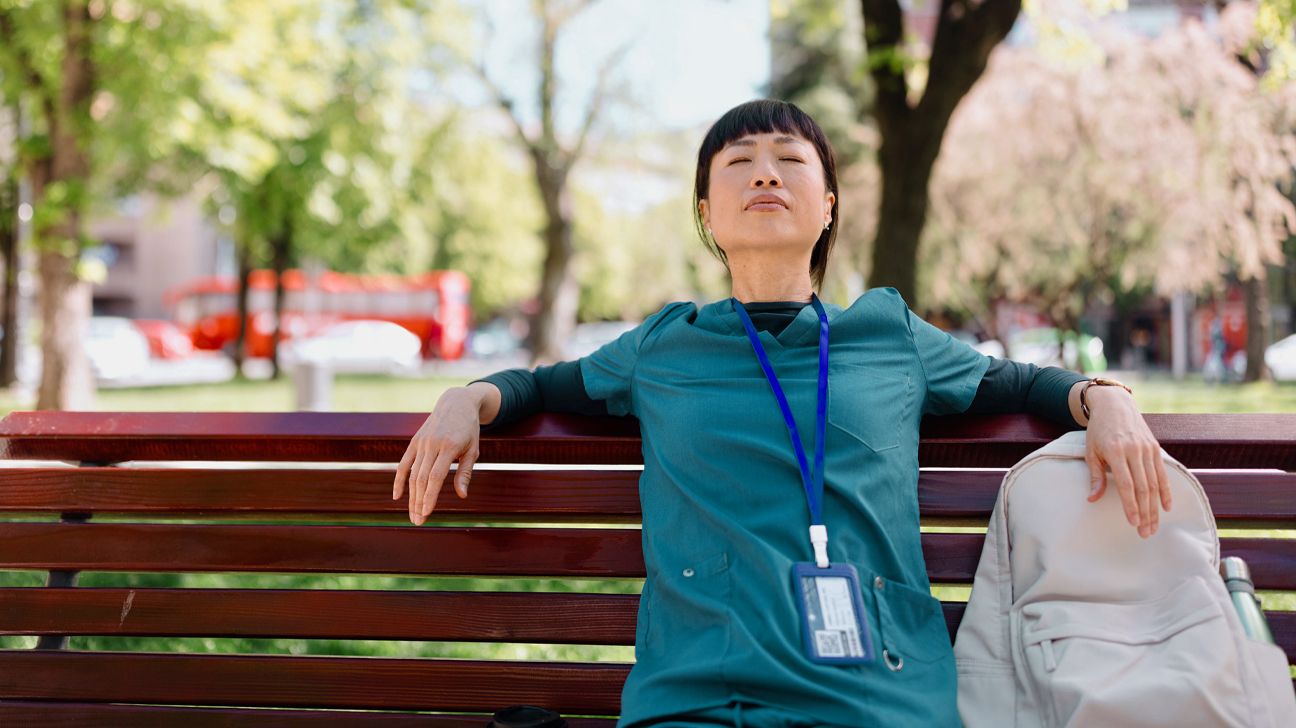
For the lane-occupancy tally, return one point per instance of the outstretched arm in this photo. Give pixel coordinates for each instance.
(524, 392)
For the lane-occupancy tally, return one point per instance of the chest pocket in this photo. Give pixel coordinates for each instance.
(869, 405)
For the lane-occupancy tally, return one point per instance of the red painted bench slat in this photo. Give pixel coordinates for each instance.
(558, 618)
(557, 552)
(1199, 441)
(554, 618)
(100, 715)
(309, 682)
(609, 495)
(520, 552)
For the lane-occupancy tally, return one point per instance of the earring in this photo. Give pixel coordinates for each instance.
(827, 224)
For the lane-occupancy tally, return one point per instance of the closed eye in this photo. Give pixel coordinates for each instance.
(793, 159)
(739, 159)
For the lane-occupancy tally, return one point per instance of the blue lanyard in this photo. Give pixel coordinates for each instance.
(814, 486)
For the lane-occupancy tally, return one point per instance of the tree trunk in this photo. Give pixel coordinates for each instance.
(559, 293)
(966, 33)
(244, 254)
(9, 256)
(1257, 313)
(66, 380)
(280, 250)
(1289, 286)
(559, 290)
(906, 168)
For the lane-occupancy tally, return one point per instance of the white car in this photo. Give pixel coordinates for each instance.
(1280, 357)
(358, 347)
(587, 338)
(116, 348)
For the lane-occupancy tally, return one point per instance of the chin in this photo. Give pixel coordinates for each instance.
(772, 236)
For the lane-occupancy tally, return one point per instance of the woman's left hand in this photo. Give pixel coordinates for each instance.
(1121, 447)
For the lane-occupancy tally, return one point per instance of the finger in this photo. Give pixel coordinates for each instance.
(402, 472)
(1125, 487)
(1163, 479)
(436, 479)
(1142, 490)
(464, 474)
(1097, 476)
(418, 482)
(1153, 491)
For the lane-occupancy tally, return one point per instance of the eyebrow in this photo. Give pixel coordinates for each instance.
(752, 143)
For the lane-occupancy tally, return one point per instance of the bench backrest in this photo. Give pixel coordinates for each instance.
(289, 501)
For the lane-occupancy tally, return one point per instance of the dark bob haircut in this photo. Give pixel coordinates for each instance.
(766, 116)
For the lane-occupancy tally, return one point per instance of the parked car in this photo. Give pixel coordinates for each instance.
(496, 337)
(1039, 346)
(587, 338)
(116, 348)
(1280, 357)
(989, 347)
(359, 346)
(165, 339)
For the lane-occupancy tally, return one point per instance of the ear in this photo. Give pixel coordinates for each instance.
(830, 199)
(705, 211)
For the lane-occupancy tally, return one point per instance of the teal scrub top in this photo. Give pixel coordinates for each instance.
(725, 514)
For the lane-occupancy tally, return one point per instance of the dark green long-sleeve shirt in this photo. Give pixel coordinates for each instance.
(1008, 386)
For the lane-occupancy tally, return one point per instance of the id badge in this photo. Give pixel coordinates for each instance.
(833, 625)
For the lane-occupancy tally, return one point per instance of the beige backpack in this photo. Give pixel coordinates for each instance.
(1076, 621)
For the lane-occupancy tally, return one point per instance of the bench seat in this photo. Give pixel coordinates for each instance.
(554, 497)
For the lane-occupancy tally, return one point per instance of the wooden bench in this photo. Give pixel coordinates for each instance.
(262, 514)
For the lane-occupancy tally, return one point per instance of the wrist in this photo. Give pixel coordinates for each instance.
(1104, 392)
(486, 397)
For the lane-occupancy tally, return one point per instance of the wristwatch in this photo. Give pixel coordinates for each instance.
(1100, 382)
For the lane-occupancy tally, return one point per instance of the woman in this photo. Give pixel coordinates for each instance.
(724, 490)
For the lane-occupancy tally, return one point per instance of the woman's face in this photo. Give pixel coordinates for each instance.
(766, 191)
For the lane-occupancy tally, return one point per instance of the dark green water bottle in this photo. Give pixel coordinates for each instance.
(1237, 579)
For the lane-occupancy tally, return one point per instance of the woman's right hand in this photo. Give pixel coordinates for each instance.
(451, 433)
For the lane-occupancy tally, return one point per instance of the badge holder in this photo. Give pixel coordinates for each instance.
(832, 614)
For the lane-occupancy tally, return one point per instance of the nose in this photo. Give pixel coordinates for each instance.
(764, 176)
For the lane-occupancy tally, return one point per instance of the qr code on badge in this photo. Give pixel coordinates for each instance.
(829, 643)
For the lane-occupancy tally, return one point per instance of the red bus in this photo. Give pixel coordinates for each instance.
(433, 305)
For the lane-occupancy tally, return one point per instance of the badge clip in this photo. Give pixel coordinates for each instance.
(819, 540)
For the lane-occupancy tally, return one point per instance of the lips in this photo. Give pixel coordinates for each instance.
(766, 202)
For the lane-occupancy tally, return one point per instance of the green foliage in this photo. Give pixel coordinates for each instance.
(822, 66)
(1275, 25)
(307, 118)
(479, 214)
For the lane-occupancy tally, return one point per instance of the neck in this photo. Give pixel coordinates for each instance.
(770, 278)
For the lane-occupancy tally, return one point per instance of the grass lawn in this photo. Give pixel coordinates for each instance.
(1156, 393)
(350, 394)
(1162, 394)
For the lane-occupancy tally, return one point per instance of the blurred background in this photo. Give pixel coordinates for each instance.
(354, 204)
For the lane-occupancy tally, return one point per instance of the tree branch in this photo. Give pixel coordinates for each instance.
(966, 33)
(560, 17)
(504, 102)
(597, 102)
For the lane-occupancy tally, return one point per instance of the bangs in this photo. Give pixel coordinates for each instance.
(764, 116)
